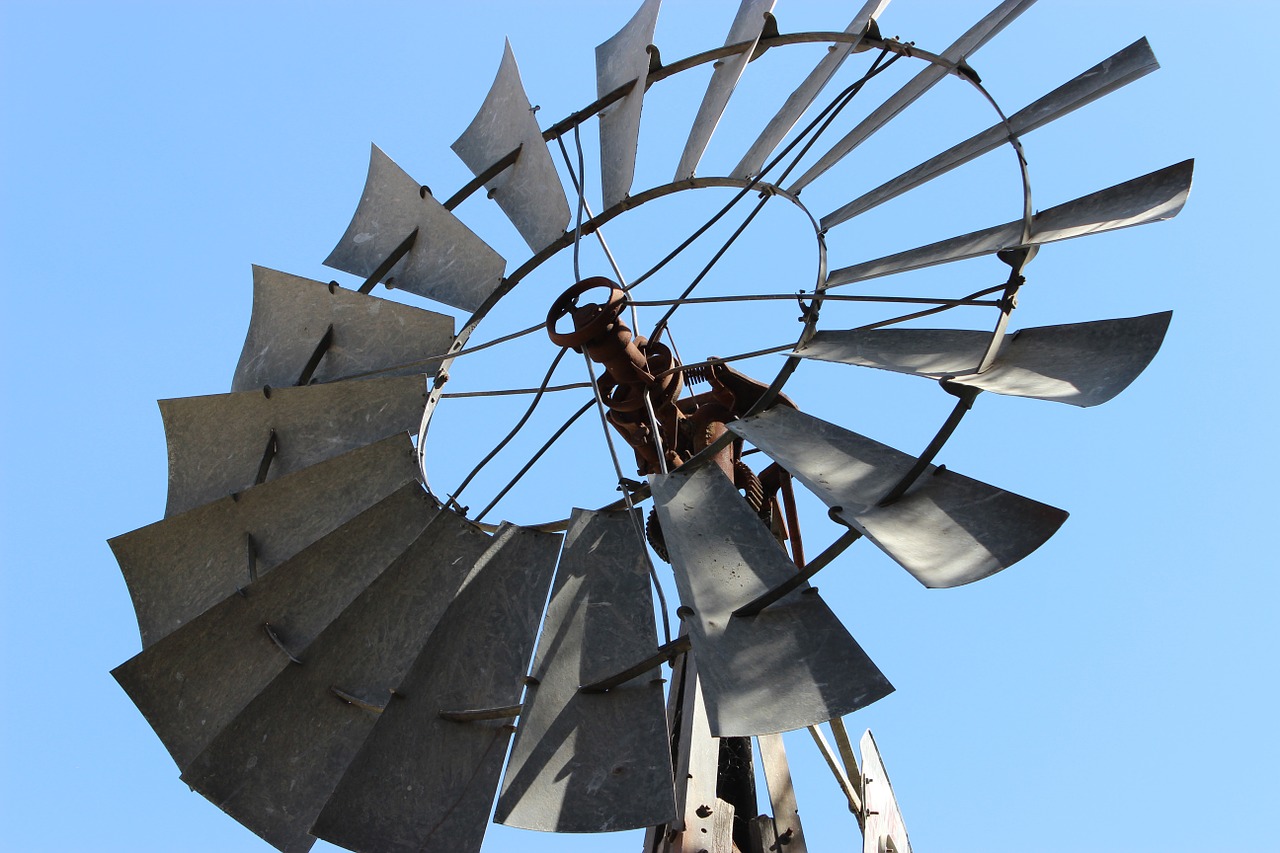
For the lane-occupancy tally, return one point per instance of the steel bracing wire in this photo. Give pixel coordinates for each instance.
(579, 182)
(536, 456)
(555, 362)
(813, 131)
(571, 122)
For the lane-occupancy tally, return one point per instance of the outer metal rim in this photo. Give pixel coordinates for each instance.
(632, 201)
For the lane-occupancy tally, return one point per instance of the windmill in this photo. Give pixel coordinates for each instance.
(336, 645)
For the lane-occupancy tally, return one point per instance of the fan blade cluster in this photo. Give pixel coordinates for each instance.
(329, 653)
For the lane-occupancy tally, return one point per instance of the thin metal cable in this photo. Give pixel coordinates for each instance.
(864, 328)
(512, 434)
(827, 116)
(536, 456)
(599, 232)
(422, 362)
(845, 94)
(511, 392)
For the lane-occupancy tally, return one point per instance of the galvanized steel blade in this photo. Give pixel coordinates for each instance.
(790, 666)
(196, 680)
(974, 38)
(178, 568)
(215, 442)
(947, 530)
(800, 100)
(529, 192)
(275, 765)
(882, 817)
(619, 61)
(423, 783)
(447, 263)
(291, 314)
(1084, 364)
(1153, 197)
(593, 762)
(1132, 63)
(747, 26)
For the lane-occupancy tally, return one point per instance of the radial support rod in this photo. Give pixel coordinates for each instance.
(833, 764)
(835, 549)
(665, 653)
(966, 395)
(385, 267)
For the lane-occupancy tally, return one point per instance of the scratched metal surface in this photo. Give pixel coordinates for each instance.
(529, 191)
(179, 567)
(790, 666)
(448, 262)
(1083, 364)
(593, 762)
(196, 680)
(422, 783)
(291, 314)
(216, 443)
(946, 530)
(274, 766)
(882, 817)
(620, 60)
(747, 26)
(1153, 197)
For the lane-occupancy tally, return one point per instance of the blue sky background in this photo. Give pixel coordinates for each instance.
(1116, 689)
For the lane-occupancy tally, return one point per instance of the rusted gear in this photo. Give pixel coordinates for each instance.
(746, 480)
(653, 532)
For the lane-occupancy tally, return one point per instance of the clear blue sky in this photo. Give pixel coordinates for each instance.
(1116, 689)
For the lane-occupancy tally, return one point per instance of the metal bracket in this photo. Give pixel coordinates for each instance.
(810, 569)
(665, 653)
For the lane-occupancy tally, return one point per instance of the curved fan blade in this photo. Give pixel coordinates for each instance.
(619, 61)
(424, 783)
(193, 682)
(799, 100)
(529, 192)
(947, 530)
(1154, 197)
(883, 822)
(291, 315)
(963, 47)
(747, 25)
(178, 568)
(274, 766)
(724, 557)
(1132, 63)
(219, 444)
(447, 261)
(593, 762)
(1084, 364)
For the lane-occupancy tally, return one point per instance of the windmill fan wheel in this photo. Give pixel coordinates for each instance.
(339, 643)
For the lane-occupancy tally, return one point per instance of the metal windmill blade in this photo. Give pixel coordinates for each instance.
(599, 761)
(305, 331)
(1084, 364)
(178, 568)
(401, 234)
(336, 646)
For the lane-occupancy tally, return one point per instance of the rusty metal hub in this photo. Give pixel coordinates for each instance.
(641, 388)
